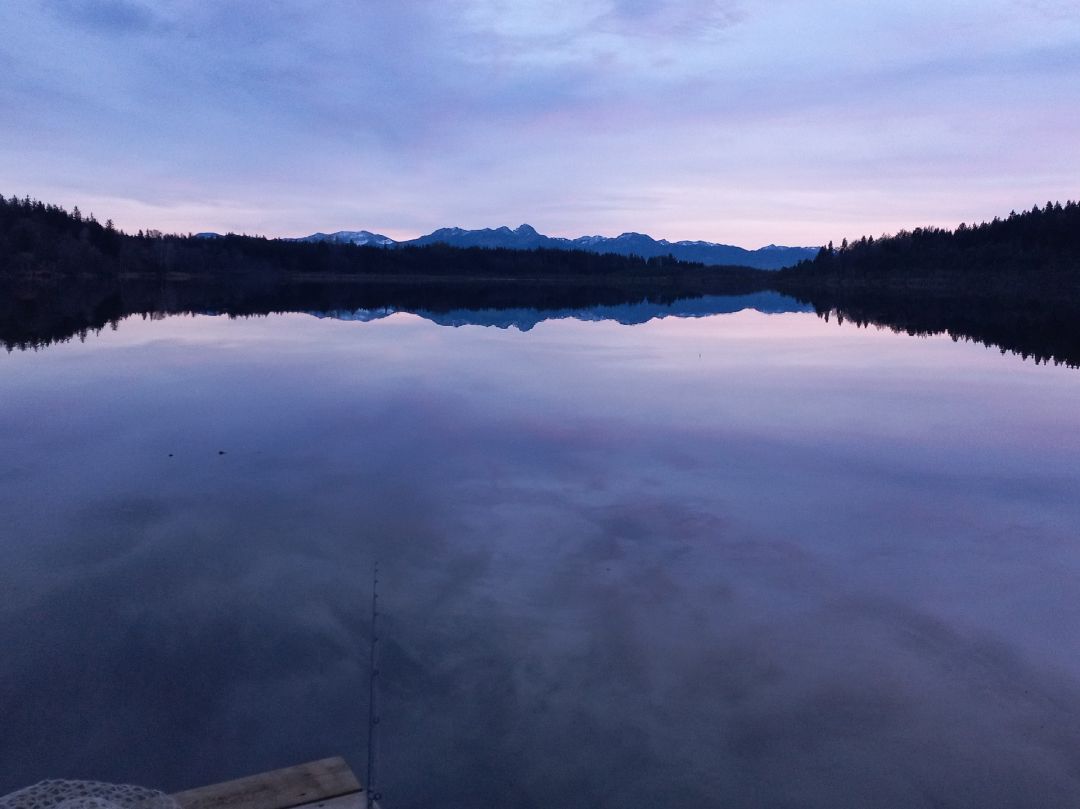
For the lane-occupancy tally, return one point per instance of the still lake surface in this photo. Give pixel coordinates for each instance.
(739, 559)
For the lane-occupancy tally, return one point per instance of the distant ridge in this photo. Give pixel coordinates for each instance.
(361, 237)
(525, 237)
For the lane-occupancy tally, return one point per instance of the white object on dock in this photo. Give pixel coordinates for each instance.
(62, 794)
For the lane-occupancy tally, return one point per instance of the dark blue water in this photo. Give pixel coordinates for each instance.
(735, 560)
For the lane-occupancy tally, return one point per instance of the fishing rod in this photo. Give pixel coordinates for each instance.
(373, 673)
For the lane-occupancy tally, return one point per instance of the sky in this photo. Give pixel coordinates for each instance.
(748, 123)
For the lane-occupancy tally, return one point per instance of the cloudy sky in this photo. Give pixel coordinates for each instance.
(746, 122)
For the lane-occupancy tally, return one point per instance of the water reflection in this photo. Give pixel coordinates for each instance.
(735, 560)
(34, 315)
(1046, 330)
(629, 314)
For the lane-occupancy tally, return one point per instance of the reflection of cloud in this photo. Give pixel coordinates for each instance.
(593, 597)
(109, 16)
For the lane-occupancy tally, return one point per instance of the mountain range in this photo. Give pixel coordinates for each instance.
(525, 237)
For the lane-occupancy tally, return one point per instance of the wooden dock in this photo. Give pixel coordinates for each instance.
(325, 784)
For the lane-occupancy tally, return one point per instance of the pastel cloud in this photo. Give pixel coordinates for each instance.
(744, 122)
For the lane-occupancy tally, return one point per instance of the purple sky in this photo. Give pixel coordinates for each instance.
(785, 121)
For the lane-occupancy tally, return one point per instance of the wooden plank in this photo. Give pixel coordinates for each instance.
(354, 800)
(281, 789)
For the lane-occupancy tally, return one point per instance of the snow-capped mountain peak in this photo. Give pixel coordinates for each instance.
(358, 237)
(526, 237)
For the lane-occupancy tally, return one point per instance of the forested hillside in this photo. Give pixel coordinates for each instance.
(45, 240)
(1033, 254)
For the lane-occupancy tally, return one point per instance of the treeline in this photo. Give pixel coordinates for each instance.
(38, 239)
(1035, 254)
(1013, 282)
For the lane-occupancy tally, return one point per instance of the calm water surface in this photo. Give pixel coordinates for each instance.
(741, 560)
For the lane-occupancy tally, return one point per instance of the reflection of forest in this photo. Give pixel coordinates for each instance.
(1034, 329)
(36, 314)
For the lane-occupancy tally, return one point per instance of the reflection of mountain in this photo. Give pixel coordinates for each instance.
(525, 318)
(37, 313)
(34, 314)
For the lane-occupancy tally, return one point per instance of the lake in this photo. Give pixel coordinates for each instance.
(707, 556)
